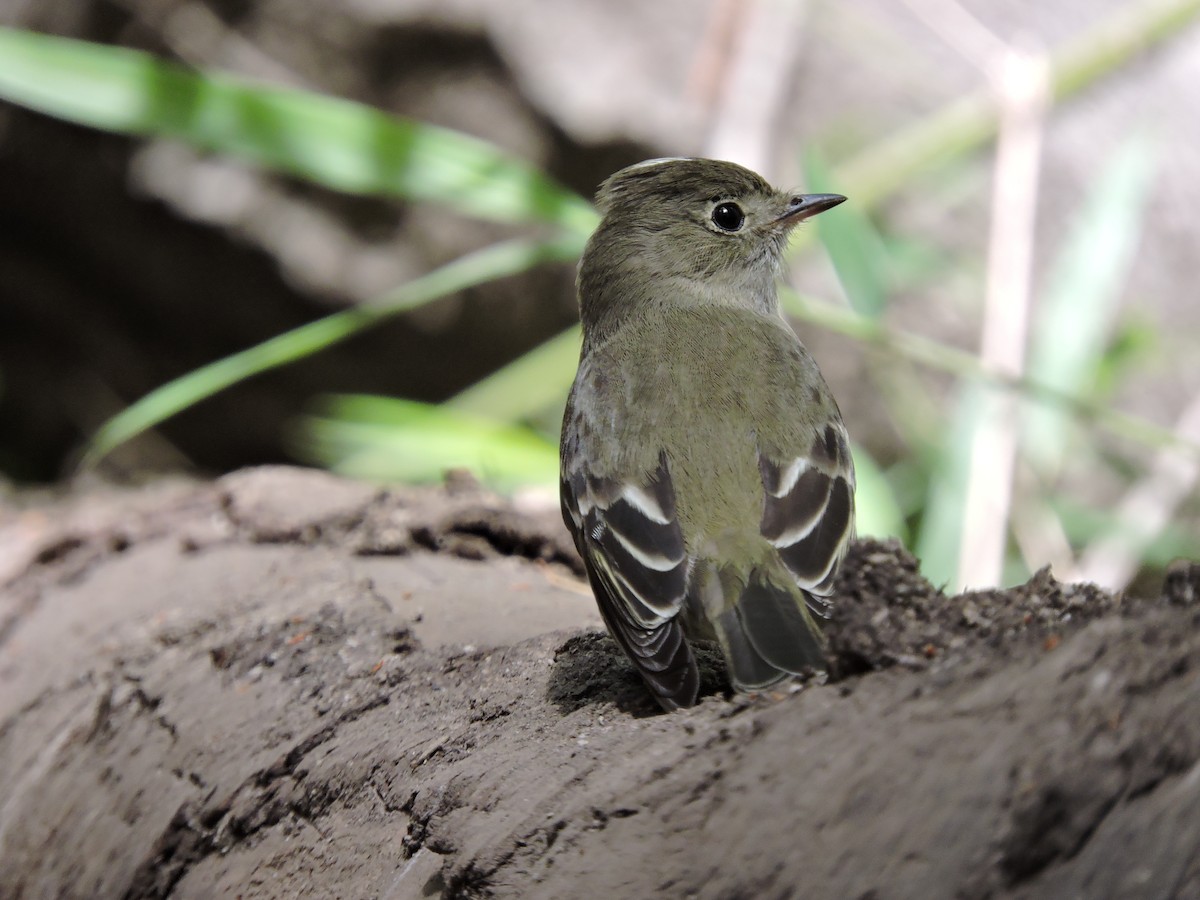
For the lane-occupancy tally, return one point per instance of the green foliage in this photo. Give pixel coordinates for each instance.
(1077, 311)
(877, 512)
(528, 386)
(387, 439)
(946, 475)
(336, 143)
(507, 258)
(504, 426)
(857, 251)
(1070, 331)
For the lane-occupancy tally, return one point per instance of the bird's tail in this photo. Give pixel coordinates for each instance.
(767, 633)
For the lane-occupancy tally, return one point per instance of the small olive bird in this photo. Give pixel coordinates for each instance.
(706, 473)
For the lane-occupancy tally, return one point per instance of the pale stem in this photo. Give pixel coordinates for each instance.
(764, 49)
(1021, 82)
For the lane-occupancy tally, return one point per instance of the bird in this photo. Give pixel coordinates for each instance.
(706, 476)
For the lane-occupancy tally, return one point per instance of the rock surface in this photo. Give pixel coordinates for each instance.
(282, 684)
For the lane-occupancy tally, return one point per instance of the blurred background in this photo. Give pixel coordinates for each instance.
(1005, 309)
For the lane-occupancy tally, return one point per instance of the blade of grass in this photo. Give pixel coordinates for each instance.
(876, 510)
(388, 439)
(853, 245)
(964, 365)
(337, 143)
(1076, 313)
(940, 538)
(528, 385)
(496, 261)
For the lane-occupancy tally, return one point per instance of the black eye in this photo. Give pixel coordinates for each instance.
(728, 216)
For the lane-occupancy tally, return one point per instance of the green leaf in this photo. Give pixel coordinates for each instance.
(527, 386)
(493, 262)
(337, 143)
(387, 439)
(342, 145)
(1075, 318)
(940, 538)
(1136, 342)
(876, 510)
(857, 252)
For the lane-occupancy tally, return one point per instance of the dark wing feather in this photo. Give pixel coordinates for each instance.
(808, 512)
(637, 564)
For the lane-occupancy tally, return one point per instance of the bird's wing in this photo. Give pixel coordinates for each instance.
(632, 545)
(808, 512)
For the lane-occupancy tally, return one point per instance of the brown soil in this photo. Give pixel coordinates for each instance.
(286, 685)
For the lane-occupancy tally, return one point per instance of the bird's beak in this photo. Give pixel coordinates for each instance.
(803, 206)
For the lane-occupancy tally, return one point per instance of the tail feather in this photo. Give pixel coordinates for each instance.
(747, 669)
(767, 635)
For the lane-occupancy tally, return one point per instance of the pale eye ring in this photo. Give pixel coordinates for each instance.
(728, 216)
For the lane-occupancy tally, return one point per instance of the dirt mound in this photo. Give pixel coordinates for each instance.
(286, 685)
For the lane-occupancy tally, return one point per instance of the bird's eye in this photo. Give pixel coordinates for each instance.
(728, 216)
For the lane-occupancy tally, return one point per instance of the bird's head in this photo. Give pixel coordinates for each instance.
(691, 227)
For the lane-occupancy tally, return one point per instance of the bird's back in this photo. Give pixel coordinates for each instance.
(714, 420)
